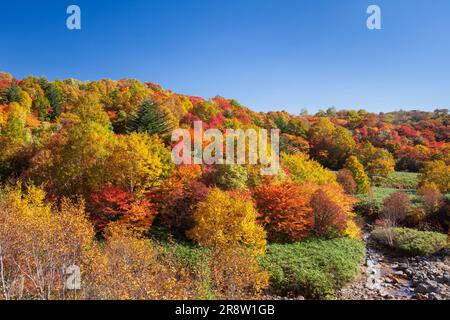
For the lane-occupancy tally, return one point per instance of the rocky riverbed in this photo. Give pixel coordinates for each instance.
(386, 275)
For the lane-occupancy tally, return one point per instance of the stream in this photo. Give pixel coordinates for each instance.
(389, 276)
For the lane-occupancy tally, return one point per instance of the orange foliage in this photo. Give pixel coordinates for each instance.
(284, 211)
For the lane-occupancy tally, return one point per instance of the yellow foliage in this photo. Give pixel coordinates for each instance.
(128, 268)
(303, 169)
(37, 243)
(227, 220)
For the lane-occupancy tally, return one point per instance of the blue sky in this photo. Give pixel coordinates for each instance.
(268, 54)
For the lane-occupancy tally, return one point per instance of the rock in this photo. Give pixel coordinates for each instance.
(422, 288)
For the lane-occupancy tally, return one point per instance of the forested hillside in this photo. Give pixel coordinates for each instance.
(87, 180)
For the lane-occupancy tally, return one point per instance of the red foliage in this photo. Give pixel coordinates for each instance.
(194, 100)
(114, 204)
(177, 198)
(329, 219)
(284, 212)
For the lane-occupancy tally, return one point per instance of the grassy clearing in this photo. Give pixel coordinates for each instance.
(400, 180)
(314, 268)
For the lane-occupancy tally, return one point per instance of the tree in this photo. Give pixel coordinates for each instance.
(114, 204)
(152, 118)
(177, 198)
(330, 144)
(227, 220)
(229, 177)
(139, 162)
(431, 197)
(357, 169)
(395, 209)
(330, 221)
(38, 241)
(285, 212)
(345, 179)
(129, 267)
(302, 169)
(437, 172)
(378, 162)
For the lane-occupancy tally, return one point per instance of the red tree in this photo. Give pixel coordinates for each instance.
(284, 211)
(329, 219)
(114, 204)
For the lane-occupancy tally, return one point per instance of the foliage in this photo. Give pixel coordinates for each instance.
(285, 211)
(330, 144)
(399, 180)
(129, 268)
(431, 197)
(152, 118)
(229, 177)
(437, 172)
(114, 204)
(302, 169)
(357, 169)
(38, 242)
(395, 208)
(345, 178)
(378, 162)
(227, 220)
(177, 198)
(412, 241)
(236, 274)
(330, 221)
(139, 162)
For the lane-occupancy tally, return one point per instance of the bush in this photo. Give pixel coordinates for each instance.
(360, 176)
(411, 241)
(314, 268)
(225, 220)
(395, 208)
(330, 221)
(437, 172)
(346, 180)
(285, 211)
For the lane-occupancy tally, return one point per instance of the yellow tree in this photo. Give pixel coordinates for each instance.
(138, 162)
(360, 176)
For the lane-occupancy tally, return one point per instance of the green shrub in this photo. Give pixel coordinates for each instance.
(314, 268)
(371, 204)
(411, 241)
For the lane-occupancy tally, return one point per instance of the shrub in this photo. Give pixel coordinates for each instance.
(128, 267)
(431, 197)
(360, 176)
(412, 241)
(346, 180)
(314, 268)
(330, 220)
(400, 180)
(229, 177)
(225, 220)
(395, 208)
(114, 204)
(38, 242)
(437, 172)
(285, 211)
(177, 198)
(236, 274)
(302, 169)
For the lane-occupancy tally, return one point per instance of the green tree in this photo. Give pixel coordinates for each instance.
(151, 118)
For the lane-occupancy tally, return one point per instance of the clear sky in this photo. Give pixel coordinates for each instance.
(267, 54)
